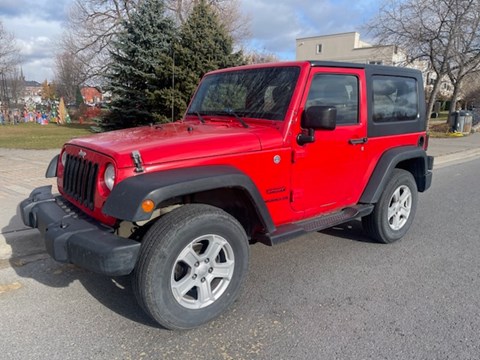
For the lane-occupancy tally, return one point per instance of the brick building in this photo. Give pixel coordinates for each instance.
(91, 95)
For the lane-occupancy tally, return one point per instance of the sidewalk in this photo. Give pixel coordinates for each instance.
(23, 170)
(20, 172)
(454, 149)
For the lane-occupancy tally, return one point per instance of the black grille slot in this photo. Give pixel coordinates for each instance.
(79, 180)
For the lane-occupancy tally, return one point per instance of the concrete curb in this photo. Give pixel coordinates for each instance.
(457, 157)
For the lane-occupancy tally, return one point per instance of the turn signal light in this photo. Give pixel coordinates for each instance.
(148, 206)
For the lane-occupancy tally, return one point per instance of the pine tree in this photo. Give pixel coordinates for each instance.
(143, 47)
(204, 45)
(78, 97)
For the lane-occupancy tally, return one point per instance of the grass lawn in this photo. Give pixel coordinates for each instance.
(52, 136)
(438, 127)
(35, 136)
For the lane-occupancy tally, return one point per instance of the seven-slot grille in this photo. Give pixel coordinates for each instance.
(79, 180)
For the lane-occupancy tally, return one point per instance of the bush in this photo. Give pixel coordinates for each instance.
(86, 114)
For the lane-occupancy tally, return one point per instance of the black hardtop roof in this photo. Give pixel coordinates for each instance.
(394, 70)
(341, 64)
(370, 69)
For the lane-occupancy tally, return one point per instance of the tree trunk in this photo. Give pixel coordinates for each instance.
(453, 103)
(432, 98)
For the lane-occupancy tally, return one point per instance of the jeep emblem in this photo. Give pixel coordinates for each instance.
(82, 154)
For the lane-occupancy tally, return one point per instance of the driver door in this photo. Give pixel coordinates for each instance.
(329, 173)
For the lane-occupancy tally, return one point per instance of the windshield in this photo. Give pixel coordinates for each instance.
(257, 93)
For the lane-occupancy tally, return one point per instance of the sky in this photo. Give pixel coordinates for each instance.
(275, 24)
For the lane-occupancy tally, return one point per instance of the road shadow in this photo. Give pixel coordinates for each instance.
(351, 230)
(30, 260)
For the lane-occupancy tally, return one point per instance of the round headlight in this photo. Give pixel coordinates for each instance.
(109, 176)
(64, 158)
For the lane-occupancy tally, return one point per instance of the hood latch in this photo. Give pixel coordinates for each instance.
(137, 161)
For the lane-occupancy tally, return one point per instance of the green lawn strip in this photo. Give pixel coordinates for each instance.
(35, 136)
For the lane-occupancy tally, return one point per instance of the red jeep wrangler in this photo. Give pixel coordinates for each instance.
(264, 153)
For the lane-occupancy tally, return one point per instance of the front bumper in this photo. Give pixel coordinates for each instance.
(73, 238)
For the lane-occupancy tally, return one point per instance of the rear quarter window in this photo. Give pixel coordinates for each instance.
(394, 99)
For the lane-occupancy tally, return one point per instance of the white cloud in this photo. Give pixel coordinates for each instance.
(37, 25)
(276, 25)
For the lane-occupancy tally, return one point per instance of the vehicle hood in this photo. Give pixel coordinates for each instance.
(180, 141)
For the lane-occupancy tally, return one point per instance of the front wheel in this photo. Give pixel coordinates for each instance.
(192, 263)
(395, 210)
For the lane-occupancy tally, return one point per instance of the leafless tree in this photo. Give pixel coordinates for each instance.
(90, 29)
(9, 60)
(15, 85)
(9, 53)
(237, 24)
(465, 58)
(471, 89)
(431, 30)
(259, 57)
(93, 24)
(70, 74)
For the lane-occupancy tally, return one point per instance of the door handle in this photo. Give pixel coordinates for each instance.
(358, 141)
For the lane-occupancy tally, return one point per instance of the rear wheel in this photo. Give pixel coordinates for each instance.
(395, 210)
(192, 263)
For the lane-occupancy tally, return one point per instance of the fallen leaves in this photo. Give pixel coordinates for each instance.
(10, 287)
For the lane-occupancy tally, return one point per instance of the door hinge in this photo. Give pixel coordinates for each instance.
(298, 154)
(296, 195)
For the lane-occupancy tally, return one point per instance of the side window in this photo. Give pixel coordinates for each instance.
(394, 98)
(339, 91)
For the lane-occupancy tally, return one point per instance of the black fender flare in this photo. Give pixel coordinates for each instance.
(52, 167)
(126, 198)
(389, 161)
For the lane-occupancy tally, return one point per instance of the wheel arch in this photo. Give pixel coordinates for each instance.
(410, 158)
(222, 186)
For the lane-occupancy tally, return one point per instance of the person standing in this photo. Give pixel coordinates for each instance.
(16, 117)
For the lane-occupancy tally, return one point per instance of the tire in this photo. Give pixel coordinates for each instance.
(395, 210)
(192, 264)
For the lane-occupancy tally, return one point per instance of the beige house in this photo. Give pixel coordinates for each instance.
(349, 48)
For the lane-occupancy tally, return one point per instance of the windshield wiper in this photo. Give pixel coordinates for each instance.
(200, 117)
(231, 112)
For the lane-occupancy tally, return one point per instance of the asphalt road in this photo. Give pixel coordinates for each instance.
(328, 295)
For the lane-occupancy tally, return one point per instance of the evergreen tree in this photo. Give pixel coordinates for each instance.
(78, 97)
(204, 45)
(143, 47)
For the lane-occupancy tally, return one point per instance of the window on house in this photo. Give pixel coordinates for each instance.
(319, 48)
